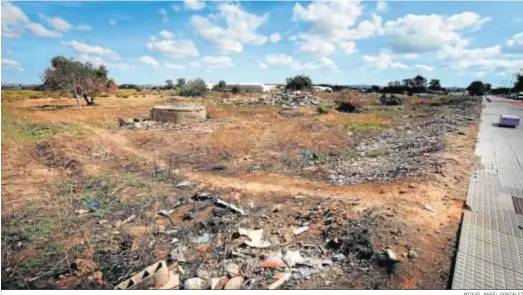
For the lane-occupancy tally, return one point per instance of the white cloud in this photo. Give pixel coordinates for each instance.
(334, 24)
(381, 6)
(89, 50)
(195, 64)
(424, 67)
(321, 63)
(176, 8)
(424, 33)
(515, 44)
(315, 44)
(166, 34)
(40, 31)
(163, 12)
(383, 61)
(13, 20)
(488, 59)
(98, 61)
(458, 51)
(240, 28)
(194, 4)
(293, 38)
(348, 47)
(214, 62)
(174, 67)
(112, 22)
(59, 23)
(149, 60)
(263, 66)
(173, 48)
(275, 37)
(278, 59)
(11, 65)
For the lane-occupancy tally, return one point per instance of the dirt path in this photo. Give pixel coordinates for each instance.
(257, 183)
(119, 142)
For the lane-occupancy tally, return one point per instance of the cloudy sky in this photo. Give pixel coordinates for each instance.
(345, 42)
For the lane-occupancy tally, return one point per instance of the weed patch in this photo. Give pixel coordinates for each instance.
(23, 131)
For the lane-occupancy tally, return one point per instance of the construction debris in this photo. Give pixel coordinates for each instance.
(257, 239)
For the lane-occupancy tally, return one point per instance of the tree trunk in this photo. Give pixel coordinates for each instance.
(87, 101)
(78, 99)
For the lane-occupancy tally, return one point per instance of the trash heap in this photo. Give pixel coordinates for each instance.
(408, 149)
(138, 123)
(243, 248)
(288, 100)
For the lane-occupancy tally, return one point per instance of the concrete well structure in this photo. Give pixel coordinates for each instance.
(179, 113)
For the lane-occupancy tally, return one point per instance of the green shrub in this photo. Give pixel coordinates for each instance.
(322, 109)
(195, 87)
(299, 82)
(391, 100)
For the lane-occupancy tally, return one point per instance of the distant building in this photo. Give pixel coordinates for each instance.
(322, 89)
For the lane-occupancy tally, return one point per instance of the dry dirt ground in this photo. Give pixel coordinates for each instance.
(69, 157)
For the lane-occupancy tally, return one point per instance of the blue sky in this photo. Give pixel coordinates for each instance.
(343, 42)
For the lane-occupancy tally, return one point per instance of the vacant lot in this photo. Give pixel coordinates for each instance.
(387, 177)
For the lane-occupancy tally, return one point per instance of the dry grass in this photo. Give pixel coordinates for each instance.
(17, 95)
(106, 110)
(357, 98)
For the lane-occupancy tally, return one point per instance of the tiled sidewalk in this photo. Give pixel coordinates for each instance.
(490, 249)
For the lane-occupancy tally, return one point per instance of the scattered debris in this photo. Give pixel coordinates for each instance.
(195, 284)
(272, 262)
(257, 239)
(291, 258)
(301, 230)
(219, 283)
(391, 255)
(280, 281)
(166, 213)
(81, 211)
(428, 208)
(222, 203)
(234, 283)
(204, 239)
(339, 257)
(185, 184)
(127, 220)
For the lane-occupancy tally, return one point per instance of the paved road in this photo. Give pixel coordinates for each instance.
(490, 249)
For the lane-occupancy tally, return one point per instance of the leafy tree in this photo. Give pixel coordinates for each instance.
(375, 88)
(420, 81)
(170, 84)
(222, 85)
(180, 83)
(299, 82)
(236, 89)
(408, 83)
(112, 87)
(82, 80)
(434, 84)
(476, 88)
(488, 87)
(195, 87)
(518, 86)
(130, 86)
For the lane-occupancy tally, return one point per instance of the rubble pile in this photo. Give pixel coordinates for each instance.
(246, 248)
(406, 150)
(288, 100)
(137, 123)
